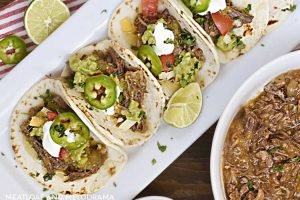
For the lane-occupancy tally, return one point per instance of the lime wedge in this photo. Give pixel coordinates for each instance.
(42, 17)
(184, 106)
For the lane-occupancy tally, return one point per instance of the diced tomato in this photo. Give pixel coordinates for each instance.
(63, 154)
(223, 22)
(51, 116)
(167, 61)
(149, 8)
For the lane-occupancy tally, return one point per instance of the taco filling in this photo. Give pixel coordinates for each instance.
(111, 86)
(170, 52)
(219, 19)
(61, 140)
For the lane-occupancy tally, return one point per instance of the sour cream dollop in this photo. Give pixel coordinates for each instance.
(214, 6)
(162, 35)
(49, 145)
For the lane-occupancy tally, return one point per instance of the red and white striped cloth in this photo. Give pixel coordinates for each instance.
(11, 23)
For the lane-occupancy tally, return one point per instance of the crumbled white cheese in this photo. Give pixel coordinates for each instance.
(166, 75)
(127, 124)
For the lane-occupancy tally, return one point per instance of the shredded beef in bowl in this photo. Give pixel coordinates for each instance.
(261, 153)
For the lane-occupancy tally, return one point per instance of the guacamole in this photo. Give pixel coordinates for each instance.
(134, 113)
(186, 68)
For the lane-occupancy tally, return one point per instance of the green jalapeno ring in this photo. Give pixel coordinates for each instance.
(107, 97)
(147, 54)
(72, 122)
(197, 6)
(17, 53)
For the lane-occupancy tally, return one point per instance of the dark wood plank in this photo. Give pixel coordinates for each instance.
(188, 177)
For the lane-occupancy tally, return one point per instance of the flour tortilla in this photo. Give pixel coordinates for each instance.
(129, 9)
(251, 33)
(277, 13)
(28, 159)
(154, 101)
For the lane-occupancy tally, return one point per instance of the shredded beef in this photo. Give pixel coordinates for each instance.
(136, 85)
(234, 13)
(210, 28)
(141, 127)
(262, 149)
(51, 163)
(118, 62)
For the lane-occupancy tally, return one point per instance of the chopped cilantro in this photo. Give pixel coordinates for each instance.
(71, 82)
(3, 154)
(186, 38)
(45, 189)
(169, 41)
(200, 20)
(53, 197)
(142, 114)
(114, 183)
(262, 45)
(37, 174)
(240, 44)
(153, 161)
(47, 97)
(278, 168)
(44, 198)
(295, 159)
(47, 177)
(162, 148)
(292, 8)
(35, 98)
(250, 185)
(60, 129)
(247, 9)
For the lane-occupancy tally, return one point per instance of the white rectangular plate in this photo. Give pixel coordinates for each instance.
(88, 25)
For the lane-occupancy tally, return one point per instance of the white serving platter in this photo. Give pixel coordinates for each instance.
(89, 24)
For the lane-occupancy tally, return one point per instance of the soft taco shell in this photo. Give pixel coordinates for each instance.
(154, 101)
(250, 33)
(278, 13)
(28, 159)
(129, 9)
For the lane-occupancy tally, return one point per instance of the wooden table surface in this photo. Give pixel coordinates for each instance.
(188, 177)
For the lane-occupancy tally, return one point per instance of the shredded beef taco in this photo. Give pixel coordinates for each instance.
(233, 26)
(56, 147)
(166, 41)
(115, 91)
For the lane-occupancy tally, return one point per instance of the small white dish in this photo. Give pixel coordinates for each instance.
(154, 198)
(249, 89)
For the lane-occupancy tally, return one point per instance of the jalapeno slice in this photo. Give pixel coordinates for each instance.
(148, 56)
(197, 6)
(200, 6)
(12, 50)
(100, 91)
(69, 123)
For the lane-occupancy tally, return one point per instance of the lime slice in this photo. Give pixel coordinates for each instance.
(42, 17)
(184, 106)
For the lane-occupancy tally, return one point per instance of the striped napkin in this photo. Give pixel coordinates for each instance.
(11, 23)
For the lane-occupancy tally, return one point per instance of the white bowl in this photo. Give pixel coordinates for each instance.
(250, 89)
